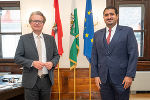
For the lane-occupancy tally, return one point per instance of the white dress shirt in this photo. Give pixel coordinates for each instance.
(112, 32)
(44, 59)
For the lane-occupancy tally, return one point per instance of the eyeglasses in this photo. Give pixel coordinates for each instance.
(37, 21)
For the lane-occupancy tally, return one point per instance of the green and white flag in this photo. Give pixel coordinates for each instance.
(74, 38)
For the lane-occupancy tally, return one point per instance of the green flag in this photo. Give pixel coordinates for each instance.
(74, 39)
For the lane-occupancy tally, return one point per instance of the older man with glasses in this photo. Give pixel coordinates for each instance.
(38, 54)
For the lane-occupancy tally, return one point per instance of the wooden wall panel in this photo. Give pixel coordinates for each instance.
(67, 85)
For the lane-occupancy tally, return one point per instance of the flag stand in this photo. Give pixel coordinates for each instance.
(74, 83)
(58, 82)
(89, 81)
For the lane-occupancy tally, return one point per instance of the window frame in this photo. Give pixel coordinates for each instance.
(142, 30)
(8, 4)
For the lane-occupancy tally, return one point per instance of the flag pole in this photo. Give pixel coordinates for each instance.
(89, 81)
(58, 34)
(58, 81)
(74, 83)
(88, 37)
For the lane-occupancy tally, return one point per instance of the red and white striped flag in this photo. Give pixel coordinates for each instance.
(57, 28)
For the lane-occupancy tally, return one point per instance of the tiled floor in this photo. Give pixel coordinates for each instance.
(140, 96)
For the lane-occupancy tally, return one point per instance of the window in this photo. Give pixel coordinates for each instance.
(132, 15)
(10, 28)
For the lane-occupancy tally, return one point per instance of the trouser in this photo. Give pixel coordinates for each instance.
(41, 90)
(110, 91)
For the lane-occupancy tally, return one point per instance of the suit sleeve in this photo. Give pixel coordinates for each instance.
(94, 59)
(133, 54)
(19, 55)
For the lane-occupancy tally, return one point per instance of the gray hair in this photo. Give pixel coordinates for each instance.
(37, 13)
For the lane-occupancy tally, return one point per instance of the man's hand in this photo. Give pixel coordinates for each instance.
(48, 65)
(127, 82)
(38, 65)
(98, 82)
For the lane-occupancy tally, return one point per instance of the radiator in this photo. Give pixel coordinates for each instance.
(141, 81)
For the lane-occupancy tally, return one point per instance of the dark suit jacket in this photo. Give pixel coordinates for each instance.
(119, 57)
(26, 53)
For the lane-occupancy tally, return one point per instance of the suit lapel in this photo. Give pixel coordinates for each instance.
(33, 43)
(103, 37)
(102, 41)
(47, 42)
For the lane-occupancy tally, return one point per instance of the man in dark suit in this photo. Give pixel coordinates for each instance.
(37, 53)
(114, 58)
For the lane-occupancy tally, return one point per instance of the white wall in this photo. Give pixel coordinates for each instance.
(46, 6)
(141, 81)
